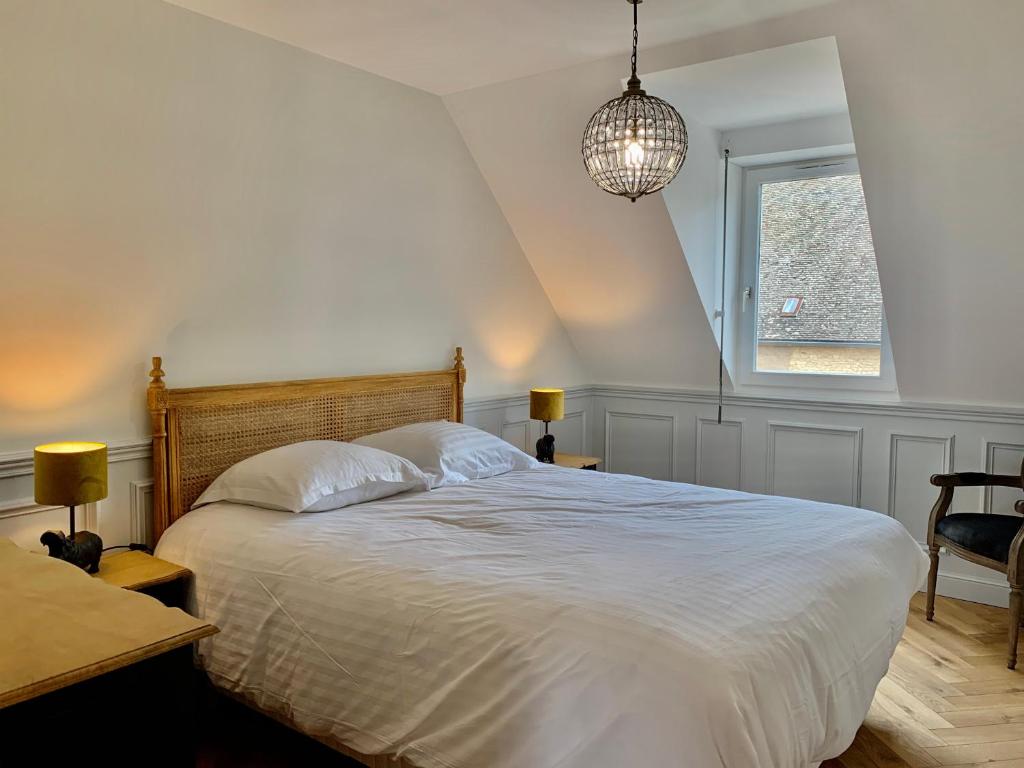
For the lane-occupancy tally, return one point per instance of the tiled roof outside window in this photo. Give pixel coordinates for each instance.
(816, 244)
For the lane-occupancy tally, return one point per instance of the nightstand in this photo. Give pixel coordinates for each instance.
(139, 572)
(577, 462)
(103, 676)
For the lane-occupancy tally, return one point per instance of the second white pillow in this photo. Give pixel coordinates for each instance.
(449, 452)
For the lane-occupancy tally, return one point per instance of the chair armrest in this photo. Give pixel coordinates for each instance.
(1019, 506)
(961, 479)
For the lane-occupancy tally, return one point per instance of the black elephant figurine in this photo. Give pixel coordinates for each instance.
(84, 549)
(546, 449)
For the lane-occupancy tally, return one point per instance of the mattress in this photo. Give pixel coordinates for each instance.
(557, 617)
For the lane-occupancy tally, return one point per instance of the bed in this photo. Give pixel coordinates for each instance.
(544, 617)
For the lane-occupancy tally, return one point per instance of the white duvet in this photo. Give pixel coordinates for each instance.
(556, 617)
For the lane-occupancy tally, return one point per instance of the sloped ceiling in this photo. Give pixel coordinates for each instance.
(444, 46)
(928, 84)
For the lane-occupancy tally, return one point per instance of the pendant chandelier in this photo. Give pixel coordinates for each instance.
(635, 144)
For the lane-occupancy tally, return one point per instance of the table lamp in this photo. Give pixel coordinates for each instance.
(69, 474)
(547, 405)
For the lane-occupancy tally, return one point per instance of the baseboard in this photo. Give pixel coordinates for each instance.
(973, 590)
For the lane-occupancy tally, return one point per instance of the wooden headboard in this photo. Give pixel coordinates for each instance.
(201, 431)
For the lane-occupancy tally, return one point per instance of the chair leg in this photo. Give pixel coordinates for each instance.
(933, 575)
(1016, 601)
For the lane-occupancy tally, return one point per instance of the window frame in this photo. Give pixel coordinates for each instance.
(754, 176)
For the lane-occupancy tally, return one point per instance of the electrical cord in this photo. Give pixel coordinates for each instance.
(131, 548)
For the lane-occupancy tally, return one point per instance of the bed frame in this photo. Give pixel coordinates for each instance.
(201, 431)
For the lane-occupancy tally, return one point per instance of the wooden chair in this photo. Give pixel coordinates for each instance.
(994, 541)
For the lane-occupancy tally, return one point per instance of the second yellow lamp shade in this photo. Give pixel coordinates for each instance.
(547, 404)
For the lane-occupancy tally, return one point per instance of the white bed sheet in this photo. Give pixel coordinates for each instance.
(555, 617)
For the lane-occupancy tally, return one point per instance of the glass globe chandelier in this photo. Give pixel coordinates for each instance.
(635, 144)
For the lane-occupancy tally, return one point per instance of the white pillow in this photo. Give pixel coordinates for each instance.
(314, 476)
(450, 453)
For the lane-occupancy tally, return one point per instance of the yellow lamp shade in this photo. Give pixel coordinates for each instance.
(547, 404)
(70, 474)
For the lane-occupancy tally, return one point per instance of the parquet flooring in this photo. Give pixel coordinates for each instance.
(948, 699)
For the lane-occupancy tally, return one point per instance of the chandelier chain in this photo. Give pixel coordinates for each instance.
(632, 59)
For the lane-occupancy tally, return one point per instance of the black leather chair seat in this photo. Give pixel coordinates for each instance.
(986, 535)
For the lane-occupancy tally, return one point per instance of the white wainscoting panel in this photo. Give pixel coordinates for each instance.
(1002, 459)
(719, 453)
(141, 512)
(570, 433)
(913, 459)
(808, 461)
(875, 455)
(517, 433)
(640, 444)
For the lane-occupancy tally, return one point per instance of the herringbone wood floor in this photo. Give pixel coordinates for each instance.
(948, 699)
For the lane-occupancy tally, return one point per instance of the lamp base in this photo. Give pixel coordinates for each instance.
(83, 549)
(546, 449)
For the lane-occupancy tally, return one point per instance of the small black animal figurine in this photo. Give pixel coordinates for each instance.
(83, 550)
(546, 449)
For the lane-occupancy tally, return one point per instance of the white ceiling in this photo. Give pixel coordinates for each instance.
(445, 46)
(791, 82)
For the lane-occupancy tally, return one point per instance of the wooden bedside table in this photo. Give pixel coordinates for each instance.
(136, 571)
(577, 462)
(104, 673)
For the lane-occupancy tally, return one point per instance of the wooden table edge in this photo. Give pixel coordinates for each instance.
(182, 573)
(63, 680)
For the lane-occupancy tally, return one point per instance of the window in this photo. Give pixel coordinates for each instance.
(812, 310)
(791, 306)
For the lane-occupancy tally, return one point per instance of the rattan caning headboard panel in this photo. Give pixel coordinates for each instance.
(199, 432)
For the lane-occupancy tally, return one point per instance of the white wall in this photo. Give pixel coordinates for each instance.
(173, 185)
(927, 82)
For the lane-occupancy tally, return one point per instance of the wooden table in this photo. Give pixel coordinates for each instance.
(577, 462)
(140, 572)
(90, 662)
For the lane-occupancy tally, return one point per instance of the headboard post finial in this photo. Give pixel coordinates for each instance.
(460, 369)
(157, 373)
